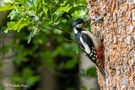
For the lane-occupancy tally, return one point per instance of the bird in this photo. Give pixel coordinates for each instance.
(89, 43)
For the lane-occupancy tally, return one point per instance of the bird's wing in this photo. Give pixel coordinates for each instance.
(86, 45)
(77, 39)
(89, 47)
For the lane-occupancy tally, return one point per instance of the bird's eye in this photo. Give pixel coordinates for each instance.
(79, 25)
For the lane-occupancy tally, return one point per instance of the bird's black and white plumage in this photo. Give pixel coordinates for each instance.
(88, 43)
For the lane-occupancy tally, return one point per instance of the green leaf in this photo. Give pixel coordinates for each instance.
(65, 9)
(17, 25)
(80, 14)
(14, 15)
(16, 79)
(27, 72)
(91, 72)
(88, 72)
(33, 79)
(70, 64)
(22, 23)
(10, 26)
(6, 7)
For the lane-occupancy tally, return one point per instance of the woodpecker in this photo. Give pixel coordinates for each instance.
(89, 44)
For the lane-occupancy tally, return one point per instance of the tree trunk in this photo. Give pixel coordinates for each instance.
(48, 81)
(6, 58)
(7, 68)
(114, 20)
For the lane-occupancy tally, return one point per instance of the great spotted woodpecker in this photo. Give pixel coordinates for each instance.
(89, 44)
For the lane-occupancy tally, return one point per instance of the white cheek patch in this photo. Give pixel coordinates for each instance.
(75, 31)
(87, 49)
(79, 25)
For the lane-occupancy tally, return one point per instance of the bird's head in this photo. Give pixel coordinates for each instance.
(78, 25)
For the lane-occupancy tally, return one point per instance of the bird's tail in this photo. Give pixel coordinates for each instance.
(102, 70)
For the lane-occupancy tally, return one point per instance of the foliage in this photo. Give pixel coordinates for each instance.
(27, 79)
(46, 26)
(89, 72)
(7, 7)
(43, 15)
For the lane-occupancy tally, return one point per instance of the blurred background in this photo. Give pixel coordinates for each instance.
(37, 50)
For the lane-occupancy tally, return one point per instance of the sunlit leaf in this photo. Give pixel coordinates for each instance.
(7, 7)
(64, 9)
(17, 25)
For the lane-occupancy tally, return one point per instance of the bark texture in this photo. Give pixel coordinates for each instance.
(114, 21)
(7, 67)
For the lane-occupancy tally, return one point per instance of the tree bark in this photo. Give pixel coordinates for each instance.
(114, 22)
(7, 68)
